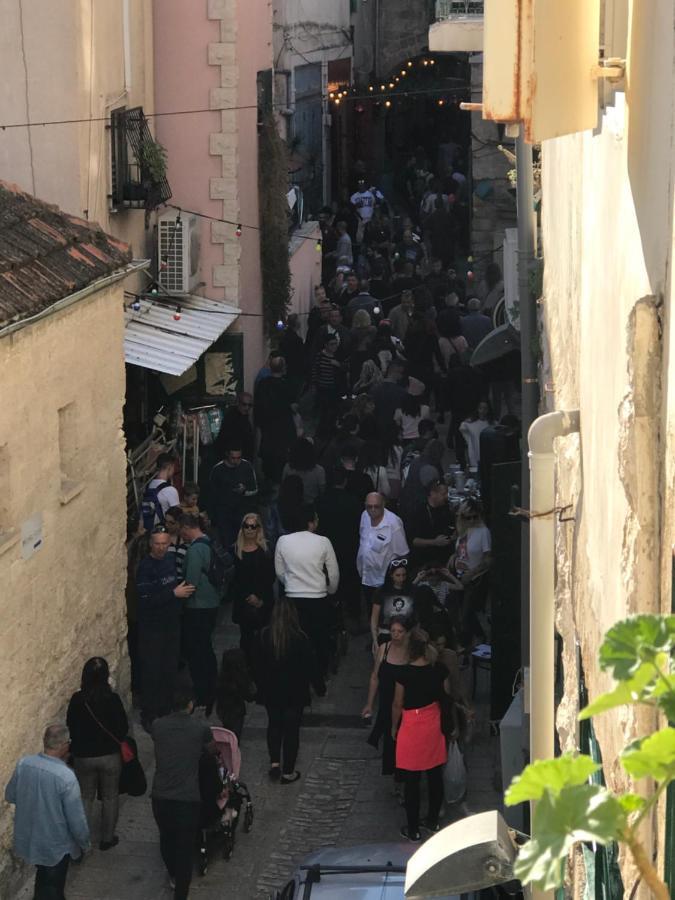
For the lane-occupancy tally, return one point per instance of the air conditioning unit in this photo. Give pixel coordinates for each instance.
(178, 240)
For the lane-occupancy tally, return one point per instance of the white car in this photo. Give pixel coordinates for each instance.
(365, 872)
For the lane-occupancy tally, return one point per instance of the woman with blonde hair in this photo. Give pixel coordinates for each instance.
(288, 667)
(251, 588)
(370, 377)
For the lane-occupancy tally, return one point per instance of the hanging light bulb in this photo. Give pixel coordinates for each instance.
(332, 94)
(409, 64)
(318, 246)
(387, 103)
(177, 314)
(432, 62)
(370, 87)
(376, 310)
(425, 62)
(469, 275)
(441, 102)
(469, 259)
(136, 305)
(280, 325)
(337, 101)
(154, 291)
(397, 79)
(382, 87)
(403, 72)
(237, 230)
(391, 85)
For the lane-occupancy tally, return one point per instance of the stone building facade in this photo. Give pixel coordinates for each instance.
(607, 316)
(62, 474)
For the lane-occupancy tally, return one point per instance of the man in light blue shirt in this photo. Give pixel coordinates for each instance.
(50, 826)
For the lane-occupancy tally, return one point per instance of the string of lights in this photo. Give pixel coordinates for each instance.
(382, 90)
(239, 226)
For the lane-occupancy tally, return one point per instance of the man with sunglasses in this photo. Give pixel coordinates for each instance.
(160, 597)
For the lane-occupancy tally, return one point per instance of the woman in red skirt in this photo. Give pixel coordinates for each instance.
(420, 744)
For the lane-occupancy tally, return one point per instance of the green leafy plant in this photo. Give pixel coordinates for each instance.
(151, 158)
(638, 652)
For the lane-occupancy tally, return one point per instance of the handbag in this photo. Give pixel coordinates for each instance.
(126, 750)
(132, 776)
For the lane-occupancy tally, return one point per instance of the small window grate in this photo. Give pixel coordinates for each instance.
(171, 275)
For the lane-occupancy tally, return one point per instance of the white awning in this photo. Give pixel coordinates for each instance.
(154, 340)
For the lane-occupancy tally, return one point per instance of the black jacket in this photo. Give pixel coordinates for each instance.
(286, 682)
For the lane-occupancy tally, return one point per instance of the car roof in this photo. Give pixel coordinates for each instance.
(360, 885)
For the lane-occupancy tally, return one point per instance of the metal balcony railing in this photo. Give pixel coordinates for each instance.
(459, 9)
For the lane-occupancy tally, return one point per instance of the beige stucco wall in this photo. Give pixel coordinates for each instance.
(64, 61)
(607, 239)
(66, 602)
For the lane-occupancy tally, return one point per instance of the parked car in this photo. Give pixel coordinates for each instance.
(364, 872)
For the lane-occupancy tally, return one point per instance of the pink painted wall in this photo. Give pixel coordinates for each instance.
(254, 54)
(183, 80)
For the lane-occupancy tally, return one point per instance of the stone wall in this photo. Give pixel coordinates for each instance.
(65, 603)
(607, 303)
(495, 211)
(402, 32)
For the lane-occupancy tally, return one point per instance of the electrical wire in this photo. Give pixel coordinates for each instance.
(380, 95)
(181, 209)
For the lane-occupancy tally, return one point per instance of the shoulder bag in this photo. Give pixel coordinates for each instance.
(132, 776)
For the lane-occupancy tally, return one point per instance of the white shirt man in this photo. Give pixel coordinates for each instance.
(381, 539)
(307, 567)
(364, 201)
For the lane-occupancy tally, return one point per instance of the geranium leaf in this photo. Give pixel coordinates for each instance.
(585, 812)
(633, 641)
(631, 691)
(549, 774)
(631, 803)
(653, 756)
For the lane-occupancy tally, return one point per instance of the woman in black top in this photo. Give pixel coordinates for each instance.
(97, 723)
(287, 668)
(251, 588)
(394, 598)
(391, 657)
(420, 743)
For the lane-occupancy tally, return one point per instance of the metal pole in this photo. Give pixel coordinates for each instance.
(530, 387)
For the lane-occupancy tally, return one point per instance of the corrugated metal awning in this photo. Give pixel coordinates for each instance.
(154, 340)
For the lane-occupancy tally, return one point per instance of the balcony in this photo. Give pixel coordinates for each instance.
(138, 162)
(458, 27)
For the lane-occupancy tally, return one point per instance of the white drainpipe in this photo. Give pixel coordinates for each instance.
(541, 436)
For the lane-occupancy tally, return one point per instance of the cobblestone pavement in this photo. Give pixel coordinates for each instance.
(341, 799)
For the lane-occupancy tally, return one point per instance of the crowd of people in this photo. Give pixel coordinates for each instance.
(326, 514)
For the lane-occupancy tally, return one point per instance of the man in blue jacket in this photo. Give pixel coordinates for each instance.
(159, 603)
(50, 826)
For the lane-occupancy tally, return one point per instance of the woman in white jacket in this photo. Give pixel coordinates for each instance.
(471, 429)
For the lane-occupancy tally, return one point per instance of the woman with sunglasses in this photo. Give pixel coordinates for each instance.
(251, 588)
(394, 598)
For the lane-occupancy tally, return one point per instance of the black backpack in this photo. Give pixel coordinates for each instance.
(220, 566)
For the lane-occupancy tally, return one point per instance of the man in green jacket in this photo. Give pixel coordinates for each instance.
(200, 612)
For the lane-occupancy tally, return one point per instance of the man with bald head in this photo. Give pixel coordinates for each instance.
(381, 539)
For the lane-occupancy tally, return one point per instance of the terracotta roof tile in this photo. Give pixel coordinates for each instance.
(46, 255)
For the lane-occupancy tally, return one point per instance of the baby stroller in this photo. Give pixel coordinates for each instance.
(225, 799)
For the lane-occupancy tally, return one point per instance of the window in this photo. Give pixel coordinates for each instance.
(138, 162)
(69, 452)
